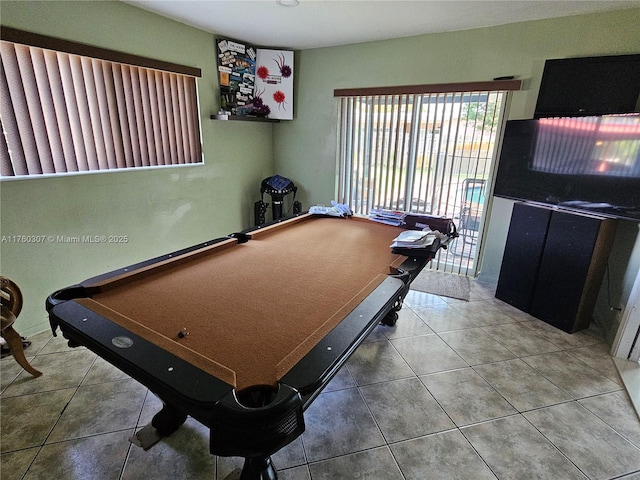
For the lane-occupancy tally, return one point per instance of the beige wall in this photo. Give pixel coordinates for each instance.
(158, 210)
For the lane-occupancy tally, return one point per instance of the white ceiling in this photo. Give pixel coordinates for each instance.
(322, 23)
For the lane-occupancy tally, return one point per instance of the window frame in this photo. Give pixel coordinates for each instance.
(379, 157)
(115, 59)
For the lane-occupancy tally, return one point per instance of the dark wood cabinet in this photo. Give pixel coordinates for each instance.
(553, 264)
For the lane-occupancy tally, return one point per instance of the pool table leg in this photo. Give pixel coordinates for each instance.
(391, 318)
(168, 420)
(256, 468)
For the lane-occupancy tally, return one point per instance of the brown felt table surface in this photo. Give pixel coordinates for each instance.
(253, 310)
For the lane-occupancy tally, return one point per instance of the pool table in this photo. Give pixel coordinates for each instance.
(243, 332)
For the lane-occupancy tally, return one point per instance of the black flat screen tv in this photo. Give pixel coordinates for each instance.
(588, 86)
(588, 164)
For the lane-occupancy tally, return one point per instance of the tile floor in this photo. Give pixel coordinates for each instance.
(466, 390)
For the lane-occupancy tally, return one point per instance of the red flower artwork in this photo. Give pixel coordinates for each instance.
(279, 97)
(263, 72)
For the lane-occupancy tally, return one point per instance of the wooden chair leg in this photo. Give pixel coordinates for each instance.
(15, 344)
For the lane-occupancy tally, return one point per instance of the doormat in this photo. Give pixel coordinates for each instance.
(443, 284)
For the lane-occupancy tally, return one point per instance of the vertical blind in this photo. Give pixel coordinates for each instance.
(65, 112)
(424, 152)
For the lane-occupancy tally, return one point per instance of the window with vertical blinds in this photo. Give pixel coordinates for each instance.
(425, 149)
(65, 112)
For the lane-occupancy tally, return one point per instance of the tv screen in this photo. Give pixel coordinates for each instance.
(589, 164)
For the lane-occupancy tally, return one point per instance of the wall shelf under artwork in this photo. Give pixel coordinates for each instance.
(245, 118)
